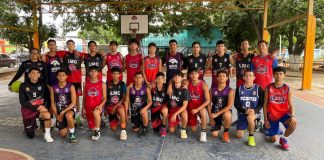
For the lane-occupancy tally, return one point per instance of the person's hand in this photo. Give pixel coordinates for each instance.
(83, 113)
(77, 53)
(249, 111)
(153, 85)
(41, 108)
(267, 124)
(194, 111)
(211, 122)
(99, 108)
(10, 88)
(143, 110)
(169, 91)
(59, 118)
(214, 115)
(62, 115)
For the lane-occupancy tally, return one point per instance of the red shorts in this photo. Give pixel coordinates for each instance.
(192, 118)
(113, 118)
(156, 116)
(177, 121)
(90, 117)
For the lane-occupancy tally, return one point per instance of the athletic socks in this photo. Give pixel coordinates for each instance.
(203, 130)
(71, 130)
(47, 131)
(250, 134)
(226, 129)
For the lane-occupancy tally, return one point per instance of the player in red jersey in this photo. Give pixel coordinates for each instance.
(199, 99)
(114, 59)
(152, 64)
(133, 61)
(94, 98)
(278, 107)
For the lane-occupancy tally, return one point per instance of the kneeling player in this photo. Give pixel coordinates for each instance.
(222, 101)
(31, 98)
(63, 101)
(278, 108)
(94, 99)
(139, 98)
(116, 90)
(199, 99)
(178, 105)
(159, 101)
(248, 102)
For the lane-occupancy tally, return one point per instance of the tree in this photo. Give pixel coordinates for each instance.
(101, 34)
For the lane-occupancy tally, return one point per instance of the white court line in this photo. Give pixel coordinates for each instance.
(18, 152)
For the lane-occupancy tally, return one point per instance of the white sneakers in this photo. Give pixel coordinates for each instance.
(48, 138)
(203, 137)
(96, 135)
(183, 134)
(123, 135)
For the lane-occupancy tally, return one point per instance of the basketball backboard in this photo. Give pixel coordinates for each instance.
(134, 24)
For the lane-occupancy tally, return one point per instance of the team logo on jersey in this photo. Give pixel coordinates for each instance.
(57, 90)
(254, 93)
(114, 63)
(277, 98)
(66, 89)
(133, 91)
(174, 103)
(72, 67)
(262, 69)
(215, 60)
(39, 63)
(27, 89)
(133, 64)
(39, 88)
(225, 59)
(62, 100)
(191, 60)
(93, 92)
(114, 99)
(194, 96)
(200, 60)
(138, 101)
(215, 92)
(196, 65)
(56, 65)
(151, 66)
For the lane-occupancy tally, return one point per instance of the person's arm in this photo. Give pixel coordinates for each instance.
(149, 99)
(19, 73)
(104, 97)
(73, 100)
(126, 102)
(229, 105)
(260, 100)
(209, 63)
(53, 106)
(23, 101)
(160, 65)
(103, 61)
(209, 105)
(84, 101)
(291, 107)
(124, 64)
(169, 88)
(207, 97)
(265, 105)
(143, 71)
(237, 103)
(164, 58)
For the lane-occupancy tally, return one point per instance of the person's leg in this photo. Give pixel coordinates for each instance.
(184, 121)
(46, 116)
(203, 118)
(291, 125)
(144, 115)
(97, 121)
(122, 117)
(251, 123)
(164, 112)
(69, 115)
(63, 132)
(192, 119)
(227, 117)
(136, 122)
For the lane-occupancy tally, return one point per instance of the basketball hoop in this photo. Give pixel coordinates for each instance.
(134, 30)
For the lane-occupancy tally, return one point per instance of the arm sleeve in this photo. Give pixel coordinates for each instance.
(23, 101)
(19, 73)
(237, 103)
(260, 101)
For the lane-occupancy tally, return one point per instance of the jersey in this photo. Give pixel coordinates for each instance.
(115, 92)
(53, 65)
(133, 65)
(151, 67)
(262, 66)
(62, 96)
(193, 62)
(197, 95)
(249, 97)
(93, 61)
(72, 64)
(114, 61)
(242, 64)
(219, 63)
(278, 104)
(32, 95)
(159, 97)
(178, 96)
(173, 64)
(93, 95)
(138, 99)
(219, 98)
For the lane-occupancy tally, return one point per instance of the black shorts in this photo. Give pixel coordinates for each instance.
(218, 123)
(78, 88)
(64, 123)
(136, 121)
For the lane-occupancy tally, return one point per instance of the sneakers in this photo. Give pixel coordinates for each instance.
(102, 124)
(251, 141)
(143, 132)
(203, 137)
(53, 122)
(96, 135)
(123, 135)
(226, 137)
(284, 143)
(73, 139)
(258, 126)
(183, 134)
(48, 138)
(163, 132)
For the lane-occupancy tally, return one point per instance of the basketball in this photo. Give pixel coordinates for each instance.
(15, 86)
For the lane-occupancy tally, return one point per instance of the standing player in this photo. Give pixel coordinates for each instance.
(160, 100)
(151, 65)
(114, 59)
(199, 99)
(243, 62)
(94, 98)
(220, 110)
(32, 100)
(278, 108)
(139, 100)
(263, 65)
(220, 61)
(196, 60)
(177, 105)
(248, 102)
(63, 100)
(116, 90)
(133, 61)
(25, 66)
(93, 59)
(173, 60)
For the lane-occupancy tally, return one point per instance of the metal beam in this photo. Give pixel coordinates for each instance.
(290, 20)
(17, 29)
(36, 34)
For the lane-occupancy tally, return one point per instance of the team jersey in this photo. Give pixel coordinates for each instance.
(53, 65)
(62, 96)
(193, 62)
(96, 61)
(138, 99)
(151, 67)
(278, 104)
(178, 96)
(32, 95)
(242, 64)
(248, 98)
(159, 97)
(72, 64)
(197, 95)
(173, 64)
(25, 67)
(114, 61)
(219, 98)
(262, 66)
(219, 63)
(133, 65)
(93, 95)
(115, 92)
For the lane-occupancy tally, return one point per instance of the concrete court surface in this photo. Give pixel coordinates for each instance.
(306, 143)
